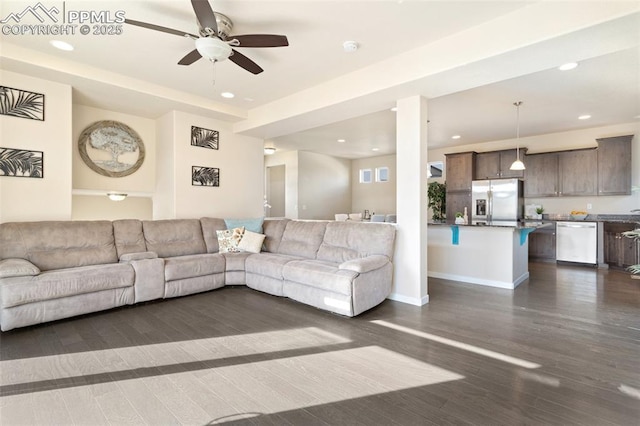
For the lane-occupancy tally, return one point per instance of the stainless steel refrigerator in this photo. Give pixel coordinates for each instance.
(497, 199)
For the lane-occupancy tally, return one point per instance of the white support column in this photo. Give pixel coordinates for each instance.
(410, 261)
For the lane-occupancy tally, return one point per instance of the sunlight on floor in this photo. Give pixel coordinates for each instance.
(130, 358)
(238, 391)
(630, 391)
(459, 345)
(540, 378)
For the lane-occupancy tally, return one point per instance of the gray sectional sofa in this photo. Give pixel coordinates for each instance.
(59, 269)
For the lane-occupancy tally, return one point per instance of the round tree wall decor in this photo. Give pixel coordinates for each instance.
(111, 148)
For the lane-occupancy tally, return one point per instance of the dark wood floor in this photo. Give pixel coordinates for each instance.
(563, 348)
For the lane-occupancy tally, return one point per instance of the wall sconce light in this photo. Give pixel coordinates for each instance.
(116, 196)
(269, 151)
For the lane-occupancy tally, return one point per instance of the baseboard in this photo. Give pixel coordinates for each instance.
(472, 280)
(409, 300)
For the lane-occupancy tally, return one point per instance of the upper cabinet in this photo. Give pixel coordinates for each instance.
(557, 174)
(577, 172)
(541, 175)
(496, 164)
(614, 165)
(460, 171)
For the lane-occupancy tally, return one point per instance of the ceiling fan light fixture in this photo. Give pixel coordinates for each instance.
(213, 48)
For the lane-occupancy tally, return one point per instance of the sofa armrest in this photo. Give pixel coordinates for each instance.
(129, 257)
(17, 268)
(365, 264)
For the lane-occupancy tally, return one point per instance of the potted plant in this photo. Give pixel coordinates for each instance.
(539, 211)
(437, 193)
(459, 218)
(634, 269)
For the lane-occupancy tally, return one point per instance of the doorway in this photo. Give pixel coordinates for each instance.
(276, 191)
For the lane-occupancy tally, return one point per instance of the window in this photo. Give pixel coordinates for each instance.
(435, 169)
(382, 174)
(365, 176)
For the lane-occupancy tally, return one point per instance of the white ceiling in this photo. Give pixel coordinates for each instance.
(137, 71)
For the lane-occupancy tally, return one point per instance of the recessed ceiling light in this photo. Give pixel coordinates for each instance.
(584, 117)
(455, 137)
(62, 45)
(394, 109)
(227, 95)
(341, 140)
(350, 46)
(568, 66)
(375, 149)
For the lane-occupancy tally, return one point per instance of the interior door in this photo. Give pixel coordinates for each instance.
(276, 191)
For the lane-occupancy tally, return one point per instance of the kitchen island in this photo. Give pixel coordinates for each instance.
(492, 253)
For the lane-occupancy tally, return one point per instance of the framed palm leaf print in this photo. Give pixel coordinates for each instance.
(204, 138)
(21, 163)
(21, 103)
(205, 176)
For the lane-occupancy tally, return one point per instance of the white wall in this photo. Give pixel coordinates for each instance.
(324, 186)
(89, 207)
(576, 139)
(23, 199)
(378, 197)
(239, 158)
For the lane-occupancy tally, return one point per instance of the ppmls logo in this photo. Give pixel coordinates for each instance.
(40, 20)
(38, 11)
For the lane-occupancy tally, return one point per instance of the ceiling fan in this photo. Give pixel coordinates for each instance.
(214, 41)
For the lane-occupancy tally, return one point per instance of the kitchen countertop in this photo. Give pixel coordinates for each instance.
(500, 224)
(621, 218)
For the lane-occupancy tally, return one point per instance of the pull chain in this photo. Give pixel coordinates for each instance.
(213, 62)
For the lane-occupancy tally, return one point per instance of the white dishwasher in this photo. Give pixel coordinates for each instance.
(577, 242)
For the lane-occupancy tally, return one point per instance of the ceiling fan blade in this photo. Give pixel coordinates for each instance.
(159, 28)
(205, 15)
(244, 62)
(190, 57)
(261, 40)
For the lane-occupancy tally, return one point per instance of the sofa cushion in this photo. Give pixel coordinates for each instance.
(195, 265)
(17, 268)
(65, 282)
(59, 244)
(253, 225)
(323, 275)
(268, 264)
(128, 236)
(251, 242)
(273, 230)
(302, 238)
(209, 227)
(229, 239)
(235, 261)
(174, 237)
(347, 241)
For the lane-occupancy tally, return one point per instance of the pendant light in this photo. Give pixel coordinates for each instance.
(518, 164)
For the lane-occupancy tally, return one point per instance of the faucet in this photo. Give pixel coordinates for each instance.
(635, 211)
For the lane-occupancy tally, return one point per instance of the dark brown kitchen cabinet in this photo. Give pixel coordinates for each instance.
(496, 164)
(561, 174)
(542, 243)
(577, 172)
(620, 251)
(460, 169)
(614, 165)
(456, 202)
(541, 175)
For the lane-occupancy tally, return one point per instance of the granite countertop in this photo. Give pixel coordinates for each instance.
(622, 218)
(516, 224)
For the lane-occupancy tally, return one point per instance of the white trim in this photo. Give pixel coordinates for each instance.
(409, 300)
(474, 280)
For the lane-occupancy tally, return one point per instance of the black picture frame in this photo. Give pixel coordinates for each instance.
(21, 163)
(205, 138)
(205, 176)
(21, 103)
